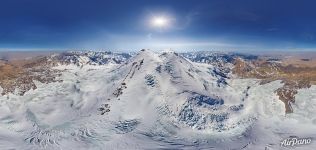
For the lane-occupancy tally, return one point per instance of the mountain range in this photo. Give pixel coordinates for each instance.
(151, 100)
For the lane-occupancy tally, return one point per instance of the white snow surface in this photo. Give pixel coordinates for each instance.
(169, 102)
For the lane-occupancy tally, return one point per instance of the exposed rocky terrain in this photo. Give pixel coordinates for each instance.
(293, 77)
(18, 76)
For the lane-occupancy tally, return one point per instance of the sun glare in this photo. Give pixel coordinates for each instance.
(160, 22)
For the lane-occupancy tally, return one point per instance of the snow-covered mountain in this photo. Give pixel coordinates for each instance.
(152, 101)
(80, 58)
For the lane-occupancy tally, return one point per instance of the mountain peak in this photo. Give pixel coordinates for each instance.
(145, 54)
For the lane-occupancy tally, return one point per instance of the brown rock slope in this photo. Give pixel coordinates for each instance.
(294, 77)
(19, 75)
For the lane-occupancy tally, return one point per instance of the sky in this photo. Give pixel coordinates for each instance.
(128, 25)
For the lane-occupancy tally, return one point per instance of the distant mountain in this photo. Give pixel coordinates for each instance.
(80, 58)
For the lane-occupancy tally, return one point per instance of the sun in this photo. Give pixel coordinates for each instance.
(160, 22)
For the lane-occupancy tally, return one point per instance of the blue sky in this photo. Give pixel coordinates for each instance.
(126, 24)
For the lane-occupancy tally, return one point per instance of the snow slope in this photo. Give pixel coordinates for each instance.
(152, 101)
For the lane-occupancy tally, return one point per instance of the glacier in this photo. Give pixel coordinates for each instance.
(152, 100)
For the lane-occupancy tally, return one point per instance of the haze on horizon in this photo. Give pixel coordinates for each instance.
(262, 25)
